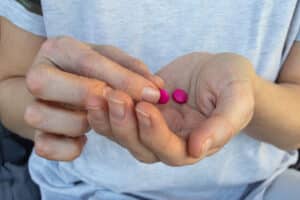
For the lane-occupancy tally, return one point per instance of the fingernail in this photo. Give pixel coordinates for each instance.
(117, 108)
(143, 117)
(150, 94)
(206, 146)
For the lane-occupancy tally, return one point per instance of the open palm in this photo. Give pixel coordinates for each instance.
(220, 104)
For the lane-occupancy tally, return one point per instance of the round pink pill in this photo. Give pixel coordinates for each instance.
(180, 96)
(164, 96)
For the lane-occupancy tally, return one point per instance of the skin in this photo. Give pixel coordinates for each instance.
(44, 106)
(223, 100)
(221, 103)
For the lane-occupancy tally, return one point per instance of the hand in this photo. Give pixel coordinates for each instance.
(221, 102)
(68, 78)
(221, 91)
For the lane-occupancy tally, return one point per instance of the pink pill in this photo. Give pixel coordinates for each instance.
(180, 96)
(164, 96)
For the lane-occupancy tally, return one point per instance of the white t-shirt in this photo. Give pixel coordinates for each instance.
(157, 32)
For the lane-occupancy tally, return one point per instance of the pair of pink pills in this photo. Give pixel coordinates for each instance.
(179, 96)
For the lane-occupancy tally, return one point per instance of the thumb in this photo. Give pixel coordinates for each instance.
(212, 134)
(233, 111)
(117, 55)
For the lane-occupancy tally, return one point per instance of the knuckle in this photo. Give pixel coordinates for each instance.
(43, 149)
(34, 82)
(33, 115)
(94, 91)
(61, 41)
(85, 63)
(47, 46)
(52, 44)
(95, 88)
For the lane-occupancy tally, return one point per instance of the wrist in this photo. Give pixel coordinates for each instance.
(258, 85)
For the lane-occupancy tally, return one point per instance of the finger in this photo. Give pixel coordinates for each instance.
(56, 147)
(131, 63)
(233, 112)
(56, 120)
(212, 133)
(124, 126)
(155, 134)
(51, 84)
(98, 118)
(82, 60)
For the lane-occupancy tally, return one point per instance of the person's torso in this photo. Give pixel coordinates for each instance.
(157, 32)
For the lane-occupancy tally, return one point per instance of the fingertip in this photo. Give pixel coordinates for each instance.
(202, 139)
(56, 147)
(195, 143)
(41, 145)
(213, 133)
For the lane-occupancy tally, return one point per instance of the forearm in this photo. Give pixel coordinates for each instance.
(276, 118)
(13, 101)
